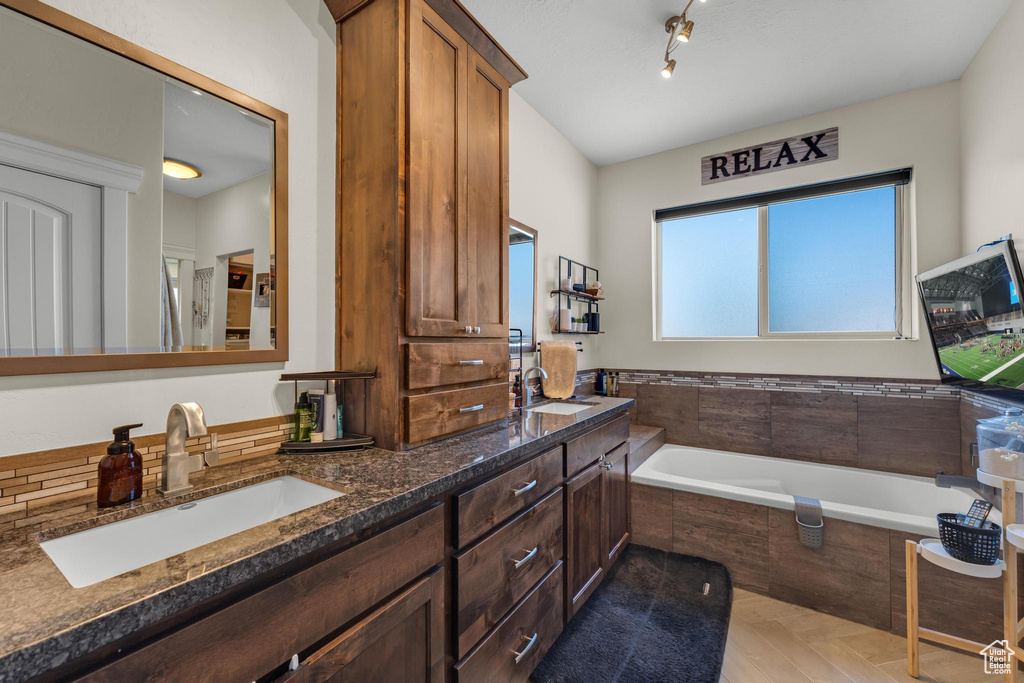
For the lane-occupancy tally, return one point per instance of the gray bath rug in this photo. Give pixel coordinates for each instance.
(649, 621)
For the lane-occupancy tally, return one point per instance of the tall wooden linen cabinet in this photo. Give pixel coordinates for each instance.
(422, 218)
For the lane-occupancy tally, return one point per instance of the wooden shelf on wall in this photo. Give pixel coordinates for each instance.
(583, 332)
(578, 295)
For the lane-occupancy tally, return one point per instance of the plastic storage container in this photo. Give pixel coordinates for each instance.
(1001, 444)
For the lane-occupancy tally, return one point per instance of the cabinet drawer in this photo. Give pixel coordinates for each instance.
(445, 412)
(515, 647)
(586, 449)
(255, 635)
(495, 573)
(483, 507)
(442, 364)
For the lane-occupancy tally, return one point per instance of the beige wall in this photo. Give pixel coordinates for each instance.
(918, 128)
(552, 189)
(280, 52)
(992, 135)
(74, 95)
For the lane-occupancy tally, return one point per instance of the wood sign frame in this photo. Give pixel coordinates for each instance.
(777, 155)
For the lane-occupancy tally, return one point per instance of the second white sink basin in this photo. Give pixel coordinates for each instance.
(557, 408)
(90, 556)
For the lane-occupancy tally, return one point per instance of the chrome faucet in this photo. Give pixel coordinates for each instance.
(526, 384)
(184, 420)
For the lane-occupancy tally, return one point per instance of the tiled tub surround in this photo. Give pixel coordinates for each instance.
(46, 623)
(905, 426)
(858, 574)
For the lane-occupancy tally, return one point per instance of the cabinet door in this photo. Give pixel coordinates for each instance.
(401, 640)
(585, 528)
(437, 277)
(616, 502)
(487, 198)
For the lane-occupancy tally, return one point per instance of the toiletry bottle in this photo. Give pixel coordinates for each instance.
(517, 389)
(599, 382)
(317, 398)
(303, 419)
(120, 471)
(341, 421)
(331, 412)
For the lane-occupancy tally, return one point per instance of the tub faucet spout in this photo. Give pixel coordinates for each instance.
(988, 493)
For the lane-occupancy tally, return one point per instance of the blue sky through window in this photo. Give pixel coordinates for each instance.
(520, 291)
(832, 263)
(709, 275)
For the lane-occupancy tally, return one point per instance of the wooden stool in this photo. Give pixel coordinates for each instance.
(931, 549)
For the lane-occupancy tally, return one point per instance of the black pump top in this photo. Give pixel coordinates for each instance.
(122, 444)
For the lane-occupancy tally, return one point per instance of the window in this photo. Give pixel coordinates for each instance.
(822, 260)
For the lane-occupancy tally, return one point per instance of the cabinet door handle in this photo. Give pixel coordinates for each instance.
(477, 329)
(529, 646)
(529, 556)
(471, 362)
(469, 329)
(472, 409)
(519, 492)
(606, 465)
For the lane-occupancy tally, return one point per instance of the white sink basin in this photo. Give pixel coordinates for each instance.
(557, 408)
(90, 556)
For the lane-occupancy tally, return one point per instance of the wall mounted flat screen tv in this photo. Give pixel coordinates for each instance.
(974, 317)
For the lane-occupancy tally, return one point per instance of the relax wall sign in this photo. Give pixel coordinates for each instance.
(799, 150)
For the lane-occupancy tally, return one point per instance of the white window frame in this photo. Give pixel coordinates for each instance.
(904, 281)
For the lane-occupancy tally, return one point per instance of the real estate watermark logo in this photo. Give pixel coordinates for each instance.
(997, 657)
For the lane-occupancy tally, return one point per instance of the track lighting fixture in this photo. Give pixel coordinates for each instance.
(679, 29)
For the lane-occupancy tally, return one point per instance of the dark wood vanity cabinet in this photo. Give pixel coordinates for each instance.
(394, 579)
(422, 217)
(596, 508)
(401, 640)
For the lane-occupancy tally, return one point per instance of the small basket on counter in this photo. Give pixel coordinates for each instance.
(967, 543)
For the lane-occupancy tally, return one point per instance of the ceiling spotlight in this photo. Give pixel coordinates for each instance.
(669, 68)
(180, 170)
(684, 34)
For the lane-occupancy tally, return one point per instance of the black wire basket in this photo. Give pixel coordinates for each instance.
(967, 543)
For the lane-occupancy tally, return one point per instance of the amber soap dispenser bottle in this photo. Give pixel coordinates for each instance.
(120, 471)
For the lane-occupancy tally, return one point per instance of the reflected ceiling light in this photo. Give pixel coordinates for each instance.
(180, 170)
(679, 29)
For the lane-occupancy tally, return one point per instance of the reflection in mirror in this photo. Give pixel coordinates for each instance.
(136, 210)
(522, 274)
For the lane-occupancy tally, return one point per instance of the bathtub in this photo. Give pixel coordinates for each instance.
(892, 501)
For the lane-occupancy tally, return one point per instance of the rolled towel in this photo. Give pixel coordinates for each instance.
(558, 358)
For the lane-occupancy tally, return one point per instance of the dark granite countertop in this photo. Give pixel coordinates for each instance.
(44, 622)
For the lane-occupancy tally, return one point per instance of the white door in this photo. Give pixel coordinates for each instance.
(50, 245)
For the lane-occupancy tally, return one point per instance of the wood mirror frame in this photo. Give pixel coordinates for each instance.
(36, 365)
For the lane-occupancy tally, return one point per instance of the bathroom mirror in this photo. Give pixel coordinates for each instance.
(522, 285)
(143, 207)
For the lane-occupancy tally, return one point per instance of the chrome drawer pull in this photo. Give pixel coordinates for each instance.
(519, 492)
(471, 362)
(529, 556)
(529, 646)
(472, 409)
(477, 329)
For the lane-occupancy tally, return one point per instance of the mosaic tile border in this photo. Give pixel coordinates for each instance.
(855, 386)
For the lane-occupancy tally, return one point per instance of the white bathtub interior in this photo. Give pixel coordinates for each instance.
(894, 501)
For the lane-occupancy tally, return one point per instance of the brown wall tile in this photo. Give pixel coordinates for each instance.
(847, 577)
(736, 420)
(745, 556)
(964, 606)
(818, 427)
(671, 407)
(913, 436)
(721, 513)
(651, 516)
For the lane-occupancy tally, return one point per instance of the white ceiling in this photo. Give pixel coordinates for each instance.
(595, 65)
(216, 137)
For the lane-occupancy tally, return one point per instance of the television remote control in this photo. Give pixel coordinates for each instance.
(977, 514)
